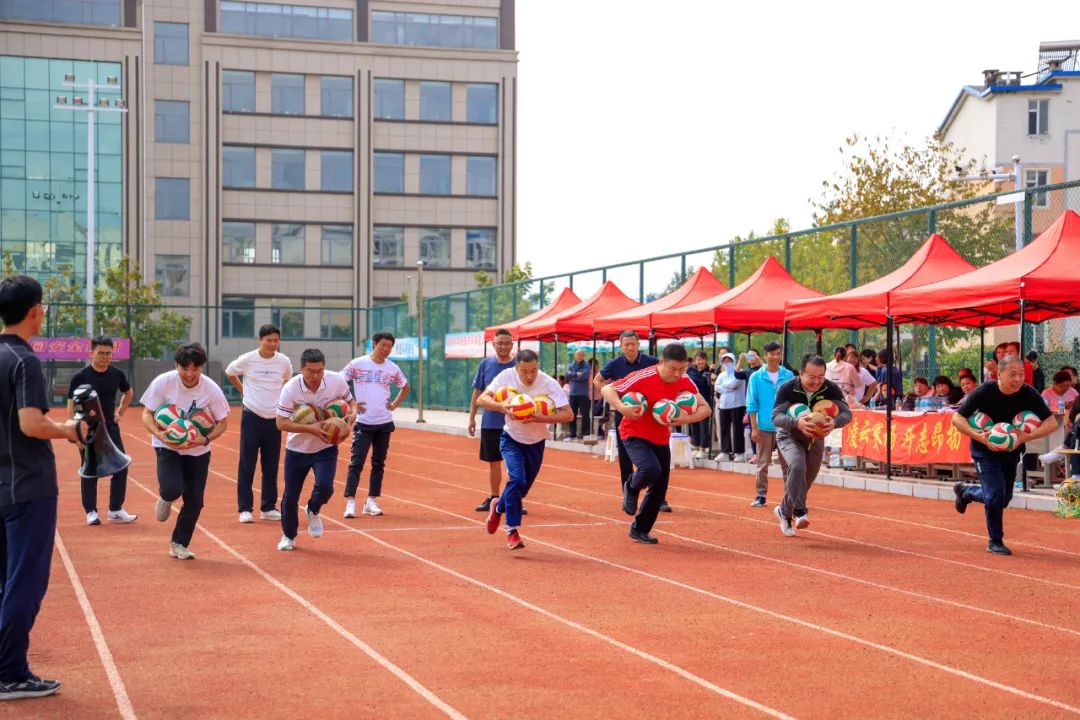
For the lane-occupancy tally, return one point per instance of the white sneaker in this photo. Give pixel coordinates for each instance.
(180, 552)
(1051, 457)
(121, 516)
(162, 508)
(350, 507)
(314, 524)
(785, 524)
(286, 543)
(802, 521)
(371, 507)
(245, 517)
(92, 518)
(269, 515)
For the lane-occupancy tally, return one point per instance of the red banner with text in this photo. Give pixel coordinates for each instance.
(917, 438)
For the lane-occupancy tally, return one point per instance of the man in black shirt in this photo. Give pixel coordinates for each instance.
(1001, 399)
(107, 381)
(28, 487)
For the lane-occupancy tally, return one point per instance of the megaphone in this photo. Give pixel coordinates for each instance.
(101, 457)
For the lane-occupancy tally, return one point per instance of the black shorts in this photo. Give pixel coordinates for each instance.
(489, 445)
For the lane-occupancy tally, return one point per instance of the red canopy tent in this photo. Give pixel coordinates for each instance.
(575, 323)
(754, 305)
(565, 300)
(699, 286)
(1033, 284)
(868, 305)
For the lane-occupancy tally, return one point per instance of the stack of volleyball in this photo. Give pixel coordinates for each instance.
(521, 406)
(181, 429)
(665, 412)
(1002, 436)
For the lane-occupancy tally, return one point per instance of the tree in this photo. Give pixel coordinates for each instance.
(128, 307)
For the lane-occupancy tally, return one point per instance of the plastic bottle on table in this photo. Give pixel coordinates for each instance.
(1061, 406)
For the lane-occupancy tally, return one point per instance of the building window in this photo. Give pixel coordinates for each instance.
(335, 321)
(389, 99)
(238, 91)
(286, 169)
(238, 243)
(388, 247)
(238, 317)
(435, 247)
(480, 176)
(237, 167)
(480, 249)
(171, 121)
(170, 43)
(400, 28)
(172, 198)
(71, 12)
(481, 103)
(286, 244)
(1038, 117)
(337, 245)
(289, 316)
(1037, 178)
(336, 96)
(389, 173)
(271, 20)
(435, 101)
(337, 170)
(286, 94)
(435, 174)
(173, 272)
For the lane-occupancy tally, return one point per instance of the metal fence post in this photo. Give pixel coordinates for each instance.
(641, 282)
(731, 265)
(853, 271)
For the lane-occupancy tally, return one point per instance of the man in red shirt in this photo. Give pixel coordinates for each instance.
(646, 438)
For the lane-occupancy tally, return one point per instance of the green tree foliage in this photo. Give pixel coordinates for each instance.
(128, 307)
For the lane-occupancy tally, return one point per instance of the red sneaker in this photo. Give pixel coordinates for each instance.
(513, 540)
(494, 517)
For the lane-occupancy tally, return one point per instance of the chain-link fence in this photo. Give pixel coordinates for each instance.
(829, 259)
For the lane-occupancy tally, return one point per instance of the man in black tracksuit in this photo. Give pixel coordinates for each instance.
(796, 441)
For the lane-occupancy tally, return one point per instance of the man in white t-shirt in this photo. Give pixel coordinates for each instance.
(308, 447)
(259, 375)
(182, 469)
(522, 441)
(371, 377)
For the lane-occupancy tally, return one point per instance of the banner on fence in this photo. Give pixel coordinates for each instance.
(75, 348)
(405, 348)
(466, 345)
(917, 439)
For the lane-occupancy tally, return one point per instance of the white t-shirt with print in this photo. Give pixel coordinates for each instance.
(866, 379)
(529, 433)
(371, 386)
(168, 388)
(262, 379)
(296, 392)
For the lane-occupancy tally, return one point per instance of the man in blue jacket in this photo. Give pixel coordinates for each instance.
(760, 398)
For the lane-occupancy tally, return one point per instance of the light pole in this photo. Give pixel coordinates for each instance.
(91, 105)
(1018, 187)
(420, 341)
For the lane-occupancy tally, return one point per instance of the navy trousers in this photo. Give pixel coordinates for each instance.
(653, 464)
(297, 465)
(997, 474)
(522, 465)
(27, 531)
(257, 435)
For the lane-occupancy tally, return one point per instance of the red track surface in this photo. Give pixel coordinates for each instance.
(888, 606)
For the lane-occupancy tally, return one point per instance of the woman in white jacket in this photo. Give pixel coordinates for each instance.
(731, 406)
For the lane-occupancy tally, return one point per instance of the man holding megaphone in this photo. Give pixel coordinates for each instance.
(107, 381)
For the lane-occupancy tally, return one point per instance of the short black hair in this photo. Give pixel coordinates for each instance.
(1061, 376)
(885, 356)
(100, 340)
(943, 380)
(840, 350)
(380, 336)
(811, 359)
(526, 356)
(869, 352)
(18, 296)
(269, 329)
(701, 354)
(628, 334)
(1032, 355)
(190, 354)
(503, 331)
(675, 351)
(312, 355)
(923, 380)
(773, 346)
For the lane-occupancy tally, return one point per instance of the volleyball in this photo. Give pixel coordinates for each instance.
(980, 420)
(636, 399)
(798, 410)
(337, 429)
(687, 402)
(166, 415)
(1002, 437)
(181, 432)
(827, 407)
(521, 406)
(1027, 420)
(544, 404)
(505, 393)
(665, 411)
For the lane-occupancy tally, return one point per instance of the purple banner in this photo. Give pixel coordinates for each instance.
(75, 348)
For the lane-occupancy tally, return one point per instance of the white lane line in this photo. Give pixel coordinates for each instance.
(368, 650)
(123, 702)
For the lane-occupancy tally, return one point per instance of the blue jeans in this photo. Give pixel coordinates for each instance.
(653, 463)
(522, 465)
(27, 532)
(297, 465)
(997, 474)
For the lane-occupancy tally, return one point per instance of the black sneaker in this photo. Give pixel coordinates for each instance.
(644, 538)
(998, 548)
(486, 505)
(629, 499)
(31, 687)
(664, 507)
(524, 511)
(961, 501)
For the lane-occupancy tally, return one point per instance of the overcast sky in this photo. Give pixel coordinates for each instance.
(651, 127)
